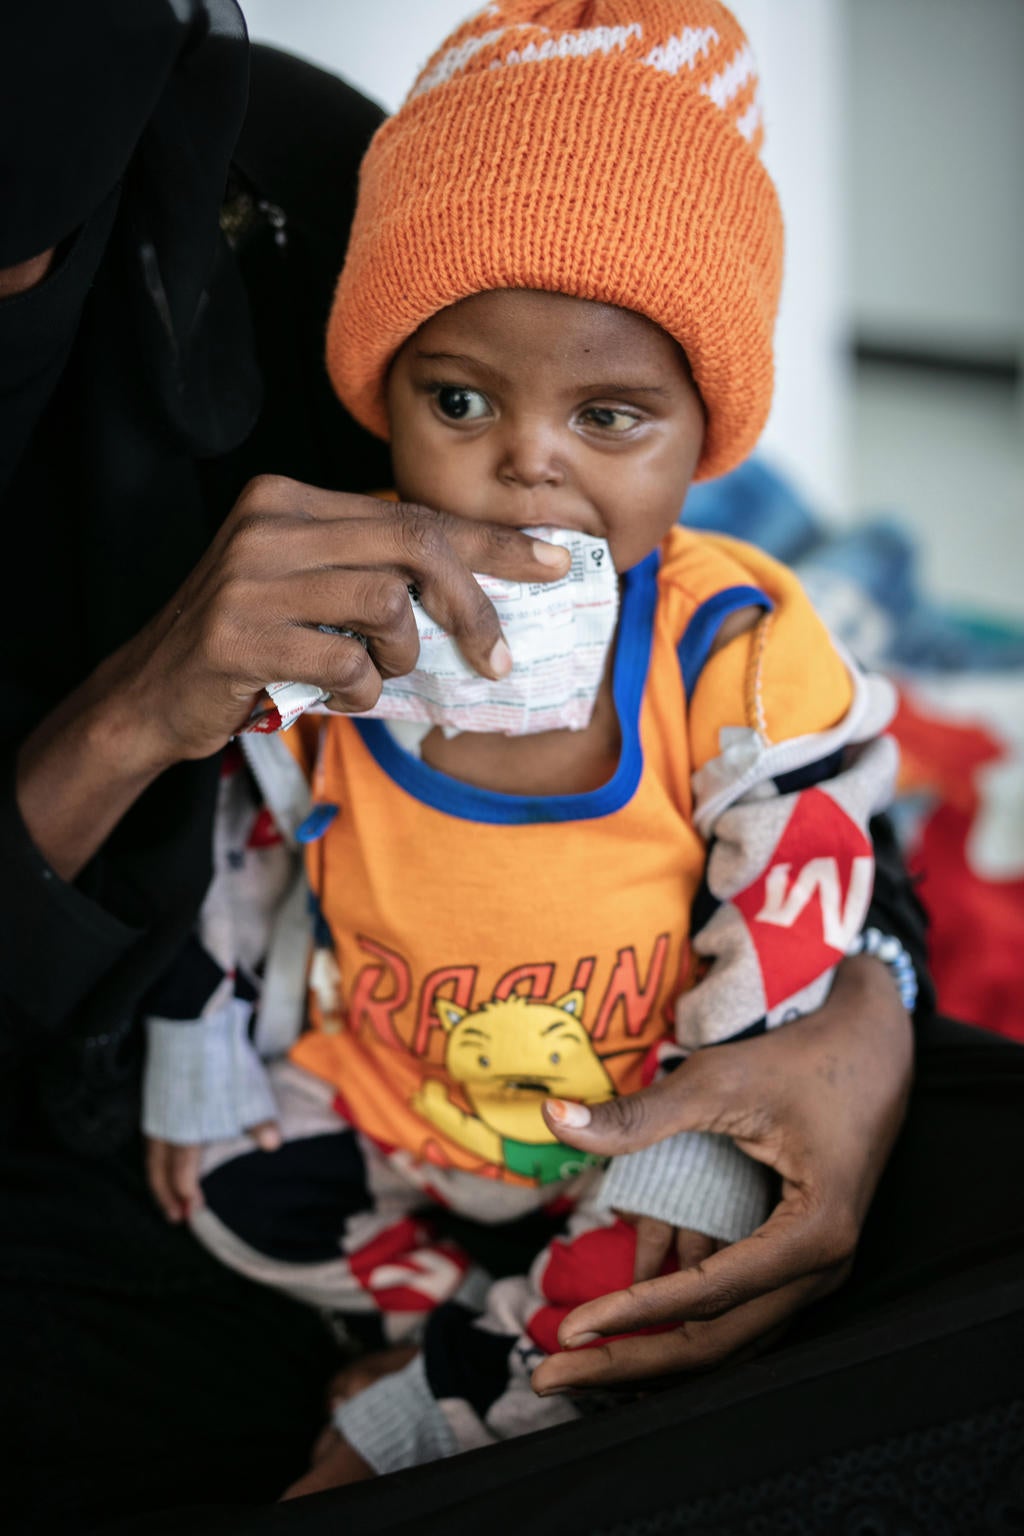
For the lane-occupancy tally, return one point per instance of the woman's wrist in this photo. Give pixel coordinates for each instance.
(865, 1005)
(82, 769)
(887, 949)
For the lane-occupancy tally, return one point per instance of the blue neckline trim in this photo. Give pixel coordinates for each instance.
(702, 630)
(469, 803)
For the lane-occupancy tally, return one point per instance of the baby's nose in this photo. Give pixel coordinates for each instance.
(531, 457)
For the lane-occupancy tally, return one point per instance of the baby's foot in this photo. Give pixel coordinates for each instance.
(337, 1467)
(362, 1373)
(333, 1462)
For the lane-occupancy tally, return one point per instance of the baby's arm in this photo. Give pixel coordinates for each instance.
(203, 1081)
(204, 1078)
(172, 1174)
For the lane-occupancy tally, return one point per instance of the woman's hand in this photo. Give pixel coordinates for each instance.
(288, 559)
(820, 1101)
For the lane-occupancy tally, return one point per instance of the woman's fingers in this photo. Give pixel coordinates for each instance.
(689, 1346)
(452, 597)
(339, 665)
(432, 550)
(356, 574)
(791, 1245)
(826, 1093)
(505, 552)
(412, 538)
(423, 549)
(374, 604)
(288, 559)
(398, 528)
(708, 1092)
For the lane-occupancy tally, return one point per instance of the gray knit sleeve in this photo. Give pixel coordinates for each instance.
(203, 1079)
(695, 1180)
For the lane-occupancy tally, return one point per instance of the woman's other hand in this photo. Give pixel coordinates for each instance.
(820, 1101)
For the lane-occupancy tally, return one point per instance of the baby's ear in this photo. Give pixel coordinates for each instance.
(572, 1003)
(449, 1014)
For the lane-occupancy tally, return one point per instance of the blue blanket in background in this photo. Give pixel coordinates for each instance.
(863, 579)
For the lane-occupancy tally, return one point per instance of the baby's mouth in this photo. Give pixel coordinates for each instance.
(566, 523)
(527, 1085)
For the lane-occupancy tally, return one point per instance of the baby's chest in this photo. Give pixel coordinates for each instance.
(560, 762)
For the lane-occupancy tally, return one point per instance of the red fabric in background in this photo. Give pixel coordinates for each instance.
(977, 923)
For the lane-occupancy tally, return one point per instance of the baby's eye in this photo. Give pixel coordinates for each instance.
(460, 404)
(609, 420)
(554, 1058)
(483, 1061)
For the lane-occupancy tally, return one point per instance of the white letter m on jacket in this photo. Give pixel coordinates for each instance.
(840, 921)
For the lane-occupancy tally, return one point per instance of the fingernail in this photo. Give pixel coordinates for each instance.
(551, 554)
(500, 660)
(579, 1339)
(574, 1116)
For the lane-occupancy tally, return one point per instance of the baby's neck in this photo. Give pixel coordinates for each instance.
(550, 763)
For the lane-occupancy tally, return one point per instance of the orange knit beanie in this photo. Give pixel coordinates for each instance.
(605, 149)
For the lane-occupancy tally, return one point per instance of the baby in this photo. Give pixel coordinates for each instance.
(558, 304)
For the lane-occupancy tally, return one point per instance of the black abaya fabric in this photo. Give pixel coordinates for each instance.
(135, 1369)
(132, 358)
(131, 411)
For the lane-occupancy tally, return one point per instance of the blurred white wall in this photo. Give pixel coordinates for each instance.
(799, 45)
(380, 47)
(936, 142)
(935, 138)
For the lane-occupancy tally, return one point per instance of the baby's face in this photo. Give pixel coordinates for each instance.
(534, 409)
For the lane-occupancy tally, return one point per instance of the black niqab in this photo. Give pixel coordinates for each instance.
(129, 362)
(119, 119)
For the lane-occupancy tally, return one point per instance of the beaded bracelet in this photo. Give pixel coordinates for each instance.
(887, 948)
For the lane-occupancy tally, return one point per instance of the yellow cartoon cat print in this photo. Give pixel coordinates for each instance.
(509, 1056)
